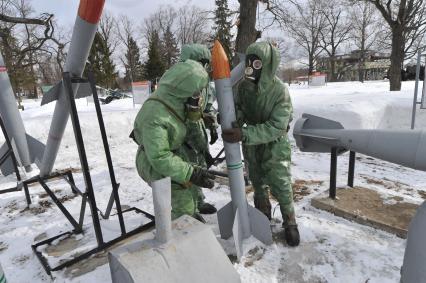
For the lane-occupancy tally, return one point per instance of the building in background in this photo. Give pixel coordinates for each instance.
(349, 67)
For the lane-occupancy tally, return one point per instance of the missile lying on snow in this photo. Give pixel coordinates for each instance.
(25, 147)
(403, 147)
(236, 218)
(86, 24)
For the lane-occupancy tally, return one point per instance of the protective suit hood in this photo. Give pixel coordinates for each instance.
(182, 80)
(194, 52)
(270, 61)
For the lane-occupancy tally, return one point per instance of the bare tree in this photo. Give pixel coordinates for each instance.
(192, 25)
(368, 32)
(305, 21)
(334, 34)
(246, 24)
(405, 19)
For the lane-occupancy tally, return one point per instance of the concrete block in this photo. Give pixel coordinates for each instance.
(192, 255)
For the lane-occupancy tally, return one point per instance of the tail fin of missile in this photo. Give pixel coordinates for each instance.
(307, 138)
(229, 225)
(36, 148)
(83, 90)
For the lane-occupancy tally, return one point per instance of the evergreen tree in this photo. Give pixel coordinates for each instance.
(133, 65)
(222, 26)
(101, 62)
(154, 66)
(170, 48)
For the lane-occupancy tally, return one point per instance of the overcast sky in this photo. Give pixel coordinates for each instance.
(66, 10)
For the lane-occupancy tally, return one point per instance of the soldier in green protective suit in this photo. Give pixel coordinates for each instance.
(197, 125)
(264, 111)
(160, 130)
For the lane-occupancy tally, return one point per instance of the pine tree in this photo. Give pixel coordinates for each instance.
(133, 65)
(222, 26)
(154, 66)
(170, 48)
(101, 62)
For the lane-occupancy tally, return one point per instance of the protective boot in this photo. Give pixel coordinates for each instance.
(199, 217)
(264, 205)
(206, 208)
(291, 233)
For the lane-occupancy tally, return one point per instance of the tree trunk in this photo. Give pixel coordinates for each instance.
(333, 76)
(247, 33)
(397, 58)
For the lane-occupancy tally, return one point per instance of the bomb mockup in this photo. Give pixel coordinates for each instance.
(26, 148)
(86, 24)
(237, 218)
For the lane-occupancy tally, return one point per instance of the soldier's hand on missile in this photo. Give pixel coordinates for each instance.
(232, 135)
(202, 178)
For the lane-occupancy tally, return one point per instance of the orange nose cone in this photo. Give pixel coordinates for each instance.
(220, 62)
(91, 10)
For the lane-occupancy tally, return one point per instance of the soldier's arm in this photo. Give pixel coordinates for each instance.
(163, 160)
(272, 129)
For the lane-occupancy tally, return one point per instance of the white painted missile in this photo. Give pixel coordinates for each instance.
(86, 24)
(237, 218)
(25, 147)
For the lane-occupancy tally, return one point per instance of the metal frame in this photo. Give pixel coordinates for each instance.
(416, 90)
(4, 158)
(88, 195)
(333, 170)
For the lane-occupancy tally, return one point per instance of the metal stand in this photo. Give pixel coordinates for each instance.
(333, 170)
(10, 154)
(416, 90)
(88, 195)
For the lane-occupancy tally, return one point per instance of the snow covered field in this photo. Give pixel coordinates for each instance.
(332, 249)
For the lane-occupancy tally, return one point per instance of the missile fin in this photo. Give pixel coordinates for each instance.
(52, 94)
(7, 167)
(237, 231)
(84, 90)
(36, 148)
(225, 218)
(260, 225)
(313, 122)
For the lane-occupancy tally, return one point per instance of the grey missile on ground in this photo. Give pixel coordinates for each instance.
(184, 250)
(236, 218)
(85, 27)
(403, 147)
(26, 148)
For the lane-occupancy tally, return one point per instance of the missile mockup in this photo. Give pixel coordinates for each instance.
(403, 147)
(236, 218)
(25, 147)
(86, 24)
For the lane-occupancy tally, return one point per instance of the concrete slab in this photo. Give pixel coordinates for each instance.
(192, 255)
(367, 207)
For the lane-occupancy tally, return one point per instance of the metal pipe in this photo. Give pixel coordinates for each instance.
(162, 197)
(416, 89)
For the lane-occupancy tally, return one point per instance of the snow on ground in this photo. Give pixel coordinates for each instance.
(332, 249)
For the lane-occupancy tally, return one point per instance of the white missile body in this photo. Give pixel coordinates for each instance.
(85, 27)
(25, 147)
(237, 218)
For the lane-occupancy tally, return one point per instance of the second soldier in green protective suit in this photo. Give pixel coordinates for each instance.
(160, 131)
(264, 111)
(205, 119)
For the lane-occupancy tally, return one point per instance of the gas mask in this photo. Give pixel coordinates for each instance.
(193, 107)
(206, 64)
(253, 68)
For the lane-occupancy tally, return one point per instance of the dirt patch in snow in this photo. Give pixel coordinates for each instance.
(370, 208)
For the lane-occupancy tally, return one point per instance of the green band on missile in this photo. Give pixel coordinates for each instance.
(235, 166)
